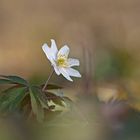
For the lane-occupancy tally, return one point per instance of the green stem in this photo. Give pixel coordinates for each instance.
(51, 74)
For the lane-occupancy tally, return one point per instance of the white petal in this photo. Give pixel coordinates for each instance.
(48, 53)
(73, 72)
(64, 51)
(73, 62)
(54, 48)
(65, 74)
(56, 70)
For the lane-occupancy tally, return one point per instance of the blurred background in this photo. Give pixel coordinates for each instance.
(104, 35)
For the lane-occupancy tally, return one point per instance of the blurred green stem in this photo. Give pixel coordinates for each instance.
(51, 74)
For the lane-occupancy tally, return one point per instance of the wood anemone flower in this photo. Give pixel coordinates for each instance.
(60, 61)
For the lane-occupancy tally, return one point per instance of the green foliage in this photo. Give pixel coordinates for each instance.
(52, 86)
(15, 80)
(113, 64)
(28, 99)
(5, 81)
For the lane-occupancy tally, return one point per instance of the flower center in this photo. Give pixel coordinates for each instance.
(62, 61)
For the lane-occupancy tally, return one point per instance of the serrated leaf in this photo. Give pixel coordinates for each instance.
(18, 100)
(11, 88)
(50, 95)
(25, 106)
(16, 79)
(9, 93)
(34, 103)
(59, 93)
(51, 86)
(58, 106)
(36, 107)
(68, 101)
(10, 100)
(5, 81)
(56, 99)
(41, 97)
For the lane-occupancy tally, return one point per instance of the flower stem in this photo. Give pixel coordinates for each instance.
(51, 74)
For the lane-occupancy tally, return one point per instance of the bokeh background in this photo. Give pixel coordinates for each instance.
(104, 35)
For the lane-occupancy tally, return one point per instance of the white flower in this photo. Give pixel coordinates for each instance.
(60, 61)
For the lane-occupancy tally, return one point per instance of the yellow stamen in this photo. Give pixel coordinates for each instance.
(62, 61)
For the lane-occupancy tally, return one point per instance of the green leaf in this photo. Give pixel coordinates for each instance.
(16, 79)
(51, 86)
(10, 100)
(11, 88)
(5, 81)
(56, 99)
(68, 101)
(34, 103)
(25, 106)
(18, 99)
(41, 97)
(36, 107)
